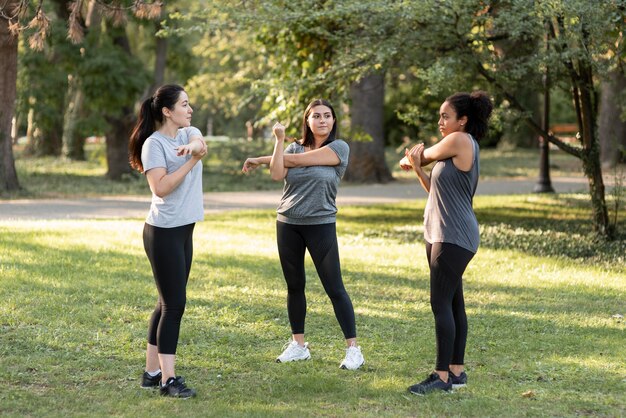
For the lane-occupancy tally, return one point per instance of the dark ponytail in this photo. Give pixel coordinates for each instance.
(150, 113)
(477, 107)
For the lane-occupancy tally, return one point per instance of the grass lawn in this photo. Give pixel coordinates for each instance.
(542, 296)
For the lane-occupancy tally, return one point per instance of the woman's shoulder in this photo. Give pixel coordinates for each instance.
(340, 144)
(190, 131)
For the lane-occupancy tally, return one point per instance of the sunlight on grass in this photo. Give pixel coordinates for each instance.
(76, 296)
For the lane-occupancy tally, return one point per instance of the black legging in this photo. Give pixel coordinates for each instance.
(321, 241)
(447, 263)
(170, 251)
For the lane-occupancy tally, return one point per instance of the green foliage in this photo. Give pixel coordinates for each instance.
(111, 79)
(544, 326)
(42, 79)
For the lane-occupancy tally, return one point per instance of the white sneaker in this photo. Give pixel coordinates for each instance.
(354, 359)
(294, 352)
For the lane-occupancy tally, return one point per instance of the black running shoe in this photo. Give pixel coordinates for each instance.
(150, 382)
(458, 381)
(176, 388)
(431, 384)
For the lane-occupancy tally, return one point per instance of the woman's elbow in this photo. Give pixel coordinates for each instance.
(277, 176)
(160, 192)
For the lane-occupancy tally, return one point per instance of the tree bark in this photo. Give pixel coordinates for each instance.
(73, 144)
(8, 92)
(611, 128)
(367, 157)
(120, 125)
(117, 145)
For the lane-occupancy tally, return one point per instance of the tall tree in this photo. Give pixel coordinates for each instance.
(106, 100)
(454, 36)
(303, 45)
(9, 16)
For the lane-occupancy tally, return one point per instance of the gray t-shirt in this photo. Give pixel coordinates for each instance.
(184, 205)
(309, 192)
(449, 216)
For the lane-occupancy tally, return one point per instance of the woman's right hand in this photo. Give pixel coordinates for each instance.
(415, 155)
(250, 164)
(279, 131)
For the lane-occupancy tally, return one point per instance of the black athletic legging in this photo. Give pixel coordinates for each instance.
(321, 241)
(447, 263)
(170, 251)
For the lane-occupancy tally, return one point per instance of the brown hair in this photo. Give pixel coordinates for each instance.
(150, 113)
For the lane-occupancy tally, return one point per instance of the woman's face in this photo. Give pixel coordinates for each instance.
(320, 121)
(448, 121)
(180, 115)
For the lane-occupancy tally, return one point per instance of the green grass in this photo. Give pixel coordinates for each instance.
(540, 295)
(55, 178)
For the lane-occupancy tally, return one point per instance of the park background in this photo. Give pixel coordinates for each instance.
(545, 294)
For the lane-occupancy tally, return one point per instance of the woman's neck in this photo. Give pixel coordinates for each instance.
(318, 141)
(168, 130)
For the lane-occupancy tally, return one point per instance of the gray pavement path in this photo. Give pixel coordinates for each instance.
(137, 207)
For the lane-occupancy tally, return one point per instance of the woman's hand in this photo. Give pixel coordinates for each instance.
(250, 164)
(414, 156)
(279, 131)
(405, 164)
(196, 148)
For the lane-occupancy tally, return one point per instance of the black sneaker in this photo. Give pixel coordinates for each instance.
(458, 381)
(431, 384)
(176, 388)
(150, 382)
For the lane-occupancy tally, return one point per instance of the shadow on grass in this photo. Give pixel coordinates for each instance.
(78, 319)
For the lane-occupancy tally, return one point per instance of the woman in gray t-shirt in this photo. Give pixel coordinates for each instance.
(311, 169)
(450, 227)
(168, 150)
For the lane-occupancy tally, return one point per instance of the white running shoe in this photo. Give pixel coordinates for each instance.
(354, 359)
(294, 352)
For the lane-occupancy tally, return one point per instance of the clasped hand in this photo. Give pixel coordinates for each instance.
(412, 158)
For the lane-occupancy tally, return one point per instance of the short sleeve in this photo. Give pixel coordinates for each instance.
(192, 131)
(342, 150)
(293, 148)
(152, 155)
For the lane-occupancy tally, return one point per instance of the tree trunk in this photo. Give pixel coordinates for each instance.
(8, 87)
(367, 157)
(611, 128)
(117, 145)
(587, 110)
(120, 125)
(73, 144)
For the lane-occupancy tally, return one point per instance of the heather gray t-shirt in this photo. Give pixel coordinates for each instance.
(184, 205)
(449, 216)
(309, 192)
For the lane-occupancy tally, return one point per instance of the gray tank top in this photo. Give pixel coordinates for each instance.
(449, 216)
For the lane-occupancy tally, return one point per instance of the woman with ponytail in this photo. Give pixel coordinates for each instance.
(168, 150)
(450, 227)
